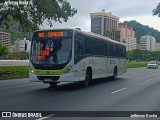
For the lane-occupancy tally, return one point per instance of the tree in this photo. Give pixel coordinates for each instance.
(129, 55)
(31, 15)
(134, 55)
(143, 55)
(156, 11)
(110, 33)
(3, 50)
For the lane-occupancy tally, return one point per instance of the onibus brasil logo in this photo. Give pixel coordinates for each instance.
(21, 114)
(17, 2)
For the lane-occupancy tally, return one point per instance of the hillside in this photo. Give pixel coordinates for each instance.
(16, 34)
(141, 30)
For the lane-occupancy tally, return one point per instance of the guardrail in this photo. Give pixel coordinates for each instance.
(14, 62)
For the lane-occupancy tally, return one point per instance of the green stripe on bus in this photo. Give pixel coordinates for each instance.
(49, 72)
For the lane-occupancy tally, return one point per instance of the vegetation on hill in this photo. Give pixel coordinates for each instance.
(141, 30)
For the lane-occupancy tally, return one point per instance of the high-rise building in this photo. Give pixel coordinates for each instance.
(148, 43)
(102, 22)
(5, 40)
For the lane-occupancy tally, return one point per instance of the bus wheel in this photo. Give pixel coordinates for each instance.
(114, 77)
(87, 79)
(53, 84)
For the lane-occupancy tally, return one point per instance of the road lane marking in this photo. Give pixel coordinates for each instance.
(118, 90)
(46, 117)
(148, 80)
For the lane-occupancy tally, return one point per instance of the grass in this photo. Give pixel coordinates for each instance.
(136, 64)
(13, 72)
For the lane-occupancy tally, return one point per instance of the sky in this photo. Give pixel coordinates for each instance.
(126, 10)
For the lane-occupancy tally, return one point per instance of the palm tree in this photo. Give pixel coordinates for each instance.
(110, 33)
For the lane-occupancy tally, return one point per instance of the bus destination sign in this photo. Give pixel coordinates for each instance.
(55, 34)
(50, 34)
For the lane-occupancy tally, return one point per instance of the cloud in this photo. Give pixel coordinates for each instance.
(123, 8)
(146, 20)
(120, 8)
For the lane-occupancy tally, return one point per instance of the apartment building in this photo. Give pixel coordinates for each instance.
(131, 43)
(157, 46)
(125, 31)
(5, 40)
(148, 42)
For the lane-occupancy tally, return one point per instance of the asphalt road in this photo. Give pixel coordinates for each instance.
(136, 90)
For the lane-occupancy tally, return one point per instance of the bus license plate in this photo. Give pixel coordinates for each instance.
(47, 80)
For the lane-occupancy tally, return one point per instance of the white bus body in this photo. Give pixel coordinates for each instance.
(70, 55)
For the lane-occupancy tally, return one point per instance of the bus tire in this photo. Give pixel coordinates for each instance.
(114, 77)
(87, 80)
(53, 84)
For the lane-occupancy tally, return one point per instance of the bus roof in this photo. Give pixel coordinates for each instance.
(86, 33)
(55, 29)
(104, 38)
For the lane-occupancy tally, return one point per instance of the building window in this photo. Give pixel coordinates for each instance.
(96, 25)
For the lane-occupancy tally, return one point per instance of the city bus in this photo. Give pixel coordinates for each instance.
(72, 55)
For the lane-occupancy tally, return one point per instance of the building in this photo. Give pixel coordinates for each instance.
(102, 22)
(148, 43)
(138, 46)
(157, 46)
(125, 31)
(131, 43)
(5, 40)
(22, 45)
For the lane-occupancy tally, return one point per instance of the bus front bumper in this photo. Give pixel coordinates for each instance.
(67, 77)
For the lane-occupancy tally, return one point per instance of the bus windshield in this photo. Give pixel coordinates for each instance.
(51, 50)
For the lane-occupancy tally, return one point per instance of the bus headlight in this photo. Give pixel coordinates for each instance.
(32, 71)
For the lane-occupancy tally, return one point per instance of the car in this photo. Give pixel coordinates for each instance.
(152, 64)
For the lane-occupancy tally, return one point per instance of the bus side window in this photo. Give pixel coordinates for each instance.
(124, 52)
(110, 49)
(79, 44)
